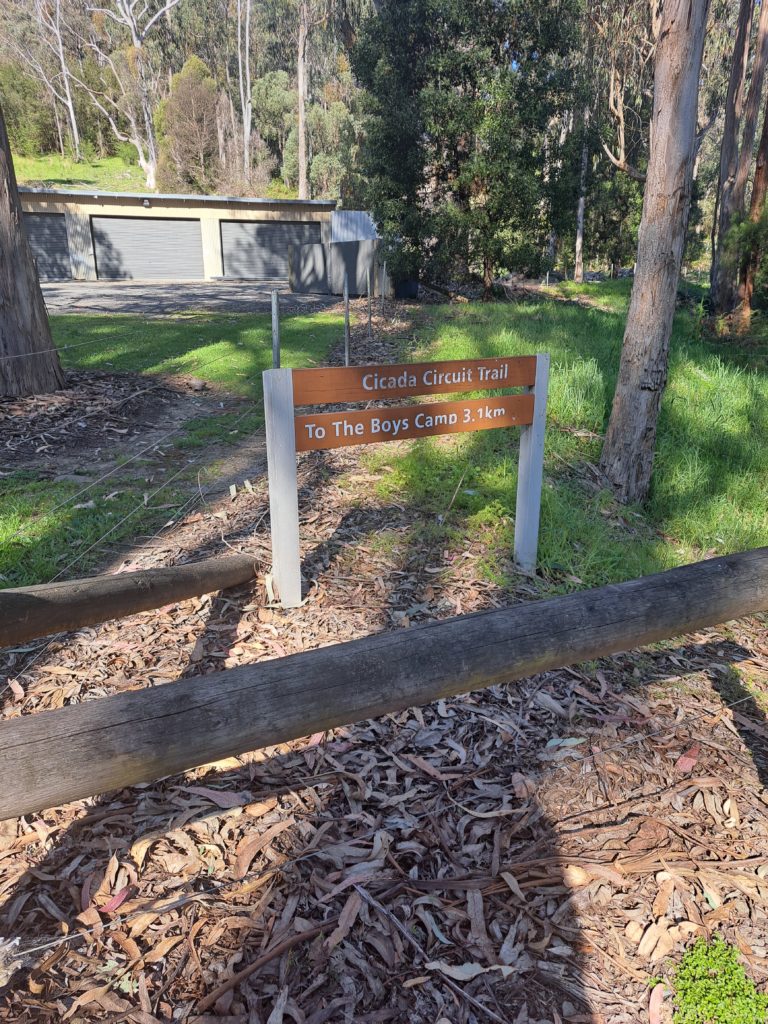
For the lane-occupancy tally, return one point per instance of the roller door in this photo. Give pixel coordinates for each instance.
(47, 234)
(148, 248)
(258, 250)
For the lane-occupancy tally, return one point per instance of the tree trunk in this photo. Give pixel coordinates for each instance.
(29, 363)
(301, 79)
(756, 207)
(68, 101)
(244, 80)
(150, 165)
(722, 271)
(578, 270)
(59, 132)
(751, 111)
(487, 279)
(627, 458)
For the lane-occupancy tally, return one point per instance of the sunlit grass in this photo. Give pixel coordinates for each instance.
(710, 485)
(37, 540)
(112, 173)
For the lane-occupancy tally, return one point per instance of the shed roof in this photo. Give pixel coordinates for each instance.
(329, 204)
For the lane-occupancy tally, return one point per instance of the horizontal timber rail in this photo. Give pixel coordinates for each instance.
(54, 757)
(30, 612)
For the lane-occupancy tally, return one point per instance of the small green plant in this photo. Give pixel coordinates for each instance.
(711, 987)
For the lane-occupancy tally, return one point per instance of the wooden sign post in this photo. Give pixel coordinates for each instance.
(288, 433)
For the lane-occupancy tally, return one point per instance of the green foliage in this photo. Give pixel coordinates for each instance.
(462, 97)
(28, 114)
(186, 126)
(274, 110)
(710, 478)
(711, 987)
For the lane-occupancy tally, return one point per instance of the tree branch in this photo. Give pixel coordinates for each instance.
(623, 165)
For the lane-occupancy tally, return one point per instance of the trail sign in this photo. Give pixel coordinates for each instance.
(289, 433)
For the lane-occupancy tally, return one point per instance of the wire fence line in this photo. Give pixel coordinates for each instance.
(113, 404)
(104, 476)
(189, 502)
(66, 348)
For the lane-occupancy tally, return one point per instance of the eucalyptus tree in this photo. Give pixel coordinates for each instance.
(736, 151)
(627, 456)
(29, 362)
(129, 80)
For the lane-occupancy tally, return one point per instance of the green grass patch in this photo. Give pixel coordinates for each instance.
(39, 540)
(711, 987)
(711, 471)
(112, 173)
(228, 352)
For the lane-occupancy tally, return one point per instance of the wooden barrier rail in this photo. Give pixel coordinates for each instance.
(53, 757)
(29, 612)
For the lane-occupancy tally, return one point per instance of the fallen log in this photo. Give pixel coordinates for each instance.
(53, 757)
(29, 612)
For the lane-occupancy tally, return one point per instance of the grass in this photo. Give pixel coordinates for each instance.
(226, 351)
(711, 473)
(111, 174)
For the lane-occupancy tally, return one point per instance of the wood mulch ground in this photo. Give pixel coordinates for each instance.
(528, 853)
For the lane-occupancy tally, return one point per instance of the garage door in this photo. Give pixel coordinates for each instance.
(47, 234)
(259, 250)
(148, 248)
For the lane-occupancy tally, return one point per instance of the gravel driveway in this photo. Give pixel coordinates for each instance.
(158, 298)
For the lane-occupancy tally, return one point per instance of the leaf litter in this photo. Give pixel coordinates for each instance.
(533, 852)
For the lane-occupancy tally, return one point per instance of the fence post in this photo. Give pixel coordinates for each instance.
(275, 331)
(383, 276)
(368, 283)
(346, 318)
(531, 472)
(283, 488)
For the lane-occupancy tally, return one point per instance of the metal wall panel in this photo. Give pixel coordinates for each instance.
(258, 250)
(352, 226)
(47, 234)
(148, 248)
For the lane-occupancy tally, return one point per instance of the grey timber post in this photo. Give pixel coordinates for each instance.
(346, 318)
(283, 487)
(275, 331)
(531, 472)
(368, 282)
(383, 276)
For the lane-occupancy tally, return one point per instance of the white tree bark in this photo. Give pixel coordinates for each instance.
(244, 80)
(627, 458)
(301, 80)
(578, 268)
(138, 22)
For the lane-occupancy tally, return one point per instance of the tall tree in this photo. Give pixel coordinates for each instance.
(578, 267)
(129, 88)
(36, 33)
(461, 99)
(721, 270)
(754, 241)
(244, 80)
(29, 363)
(627, 457)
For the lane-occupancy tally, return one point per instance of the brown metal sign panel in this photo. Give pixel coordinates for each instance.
(326, 385)
(368, 426)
